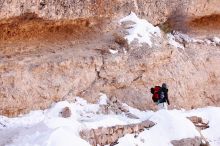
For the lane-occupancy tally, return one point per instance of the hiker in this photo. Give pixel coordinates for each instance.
(160, 96)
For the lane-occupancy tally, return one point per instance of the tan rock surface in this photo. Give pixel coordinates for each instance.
(33, 82)
(65, 112)
(44, 61)
(109, 135)
(187, 142)
(156, 11)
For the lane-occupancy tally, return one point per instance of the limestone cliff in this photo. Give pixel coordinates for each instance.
(156, 11)
(55, 50)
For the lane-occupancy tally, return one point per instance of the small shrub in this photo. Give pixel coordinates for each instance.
(119, 39)
(166, 26)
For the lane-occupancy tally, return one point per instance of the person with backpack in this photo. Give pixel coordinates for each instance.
(160, 96)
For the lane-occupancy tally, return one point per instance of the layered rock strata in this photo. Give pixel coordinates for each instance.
(188, 141)
(103, 136)
(45, 59)
(35, 80)
(155, 11)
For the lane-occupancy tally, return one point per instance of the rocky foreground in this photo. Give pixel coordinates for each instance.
(79, 123)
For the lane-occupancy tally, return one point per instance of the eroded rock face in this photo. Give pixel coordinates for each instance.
(188, 142)
(35, 81)
(108, 135)
(156, 11)
(35, 73)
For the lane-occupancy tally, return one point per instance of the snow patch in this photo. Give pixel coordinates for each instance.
(172, 41)
(212, 115)
(141, 30)
(51, 129)
(170, 125)
(103, 99)
(216, 40)
(113, 51)
(47, 128)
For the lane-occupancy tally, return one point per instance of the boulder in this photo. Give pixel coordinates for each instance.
(66, 112)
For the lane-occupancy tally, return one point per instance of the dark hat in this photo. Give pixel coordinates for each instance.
(164, 85)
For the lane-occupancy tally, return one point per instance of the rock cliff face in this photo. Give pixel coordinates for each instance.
(110, 135)
(54, 50)
(156, 11)
(33, 81)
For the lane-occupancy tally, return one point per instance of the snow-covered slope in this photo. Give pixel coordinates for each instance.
(47, 128)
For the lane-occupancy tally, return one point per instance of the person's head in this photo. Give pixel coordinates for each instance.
(164, 85)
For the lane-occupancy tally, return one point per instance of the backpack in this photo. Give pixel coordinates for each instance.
(155, 93)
